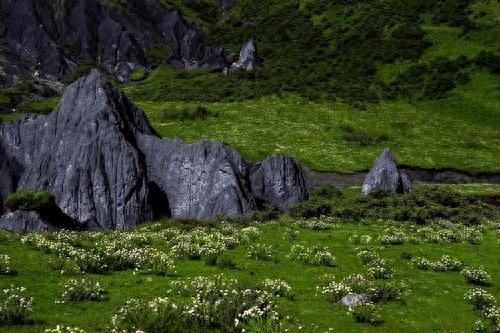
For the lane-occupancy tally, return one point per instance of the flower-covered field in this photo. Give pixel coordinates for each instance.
(285, 275)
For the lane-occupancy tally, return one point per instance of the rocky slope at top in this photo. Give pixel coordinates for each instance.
(53, 37)
(107, 168)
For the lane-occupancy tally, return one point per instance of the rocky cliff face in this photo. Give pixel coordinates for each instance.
(107, 168)
(52, 37)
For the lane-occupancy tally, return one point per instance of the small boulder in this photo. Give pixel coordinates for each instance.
(249, 60)
(354, 299)
(385, 175)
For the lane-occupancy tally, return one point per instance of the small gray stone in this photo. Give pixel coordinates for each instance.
(354, 299)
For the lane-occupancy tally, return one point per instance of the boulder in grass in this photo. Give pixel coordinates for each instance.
(249, 59)
(385, 175)
(354, 299)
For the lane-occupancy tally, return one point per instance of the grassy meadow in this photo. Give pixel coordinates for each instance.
(414, 274)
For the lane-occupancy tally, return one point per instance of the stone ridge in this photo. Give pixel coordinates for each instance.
(108, 169)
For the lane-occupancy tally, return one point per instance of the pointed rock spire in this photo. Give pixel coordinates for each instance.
(385, 175)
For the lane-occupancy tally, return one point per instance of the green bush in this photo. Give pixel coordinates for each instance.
(44, 106)
(82, 69)
(30, 200)
(138, 74)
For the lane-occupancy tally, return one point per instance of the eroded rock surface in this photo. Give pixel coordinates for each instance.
(107, 169)
(53, 37)
(249, 59)
(385, 175)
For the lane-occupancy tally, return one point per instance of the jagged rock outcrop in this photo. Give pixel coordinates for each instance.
(53, 37)
(385, 175)
(201, 180)
(249, 59)
(21, 220)
(107, 169)
(279, 180)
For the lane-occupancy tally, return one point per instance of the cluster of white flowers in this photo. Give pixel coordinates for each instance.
(201, 303)
(15, 306)
(486, 303)
(4, 264)
(102, 252)
(445, 231)
(203, 242)
(421, 263)
(334, 291)
(278, 287)
(359, 239)
(366, 255)
(476, 276)
(445, 264)
(321, 223)
(393, 236)
(380, 269)
(64, 329)
(311, 255)
(82, 289)
(261, 251)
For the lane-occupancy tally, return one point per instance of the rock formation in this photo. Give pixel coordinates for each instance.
(107, 168)
(53, 37)
(248, 60)
(385, 175)
(279, 180)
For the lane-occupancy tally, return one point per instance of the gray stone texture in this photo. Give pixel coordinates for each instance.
(54, 37)
(385, 175)
(108, 169)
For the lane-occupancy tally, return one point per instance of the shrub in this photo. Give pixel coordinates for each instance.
(311, 255)
(421, 263)
(64, 329)
(15, 307)
(4, 264)
(480, 299)
(157, 315)
(334, 291)
(262, 252)
(366, 313)
(138, 74)
(30, 200)
(380, 269)
(82, 289)
(447, 263)
(476, 276)
(278, 287)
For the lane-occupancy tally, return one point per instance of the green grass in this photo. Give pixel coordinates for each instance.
(459, 132)
(434, 302)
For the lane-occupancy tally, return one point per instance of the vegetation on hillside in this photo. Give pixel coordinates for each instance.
(290, 272)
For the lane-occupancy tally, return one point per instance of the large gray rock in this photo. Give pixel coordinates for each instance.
(279, 180)
(107, 169)
(248, 60)
(385, 175)
(85, 154)
(200, 181)
(30, 221)
(53, 37)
